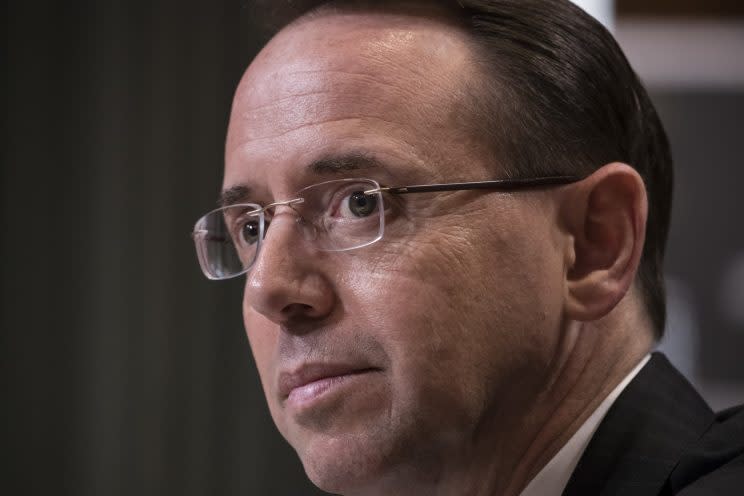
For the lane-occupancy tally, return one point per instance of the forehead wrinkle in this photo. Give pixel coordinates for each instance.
(322, 106)
(257, 139)
(397, 58)
(361, 76)
(450, 59)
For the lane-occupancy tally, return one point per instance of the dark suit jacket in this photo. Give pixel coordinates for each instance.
(661, 438)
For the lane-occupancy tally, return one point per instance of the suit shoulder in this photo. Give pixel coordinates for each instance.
(714, 465)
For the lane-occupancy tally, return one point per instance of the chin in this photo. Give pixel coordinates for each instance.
(370, 457)
(348, 438)
(371, 444)
(347, 464)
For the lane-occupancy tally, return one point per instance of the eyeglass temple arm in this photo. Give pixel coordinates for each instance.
(502, 184)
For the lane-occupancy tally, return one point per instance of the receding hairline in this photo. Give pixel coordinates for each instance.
(446, 12)
(478, 80)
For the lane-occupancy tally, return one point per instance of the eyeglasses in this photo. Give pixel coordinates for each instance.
(338, 215)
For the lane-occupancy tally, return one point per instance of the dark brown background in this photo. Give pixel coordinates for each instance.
(123, 370)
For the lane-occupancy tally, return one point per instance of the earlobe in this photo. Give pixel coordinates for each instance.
(606, 218)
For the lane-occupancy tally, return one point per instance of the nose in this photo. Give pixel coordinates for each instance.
(286, 282)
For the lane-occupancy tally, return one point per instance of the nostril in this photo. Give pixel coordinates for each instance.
(297, 310)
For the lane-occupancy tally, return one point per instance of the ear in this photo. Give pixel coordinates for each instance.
(605, 215)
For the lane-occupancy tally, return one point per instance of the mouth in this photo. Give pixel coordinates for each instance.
(310, 383)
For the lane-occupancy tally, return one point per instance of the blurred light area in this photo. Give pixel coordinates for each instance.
(680, 341)
(732, 292)
(685, 54)
(602, 10)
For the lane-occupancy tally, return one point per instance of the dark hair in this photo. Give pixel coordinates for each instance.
(558, 96)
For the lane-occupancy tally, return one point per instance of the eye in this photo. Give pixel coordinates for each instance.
(249, 232)
(358, 204)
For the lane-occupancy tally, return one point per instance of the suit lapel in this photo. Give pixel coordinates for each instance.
(643, 435)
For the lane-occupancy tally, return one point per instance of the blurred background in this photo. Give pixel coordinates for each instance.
(123, 370)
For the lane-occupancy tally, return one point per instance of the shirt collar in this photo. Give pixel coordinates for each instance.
(554, 476)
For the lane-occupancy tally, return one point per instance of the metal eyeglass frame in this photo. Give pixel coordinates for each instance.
(495, 185)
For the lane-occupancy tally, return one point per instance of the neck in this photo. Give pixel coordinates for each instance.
(507, 451)
(593, 367)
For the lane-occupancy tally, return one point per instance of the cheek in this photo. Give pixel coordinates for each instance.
(462, 314)
(423, 313)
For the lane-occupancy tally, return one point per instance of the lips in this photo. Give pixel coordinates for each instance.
(313, 379)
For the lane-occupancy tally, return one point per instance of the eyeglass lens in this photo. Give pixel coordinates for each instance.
(334, 216)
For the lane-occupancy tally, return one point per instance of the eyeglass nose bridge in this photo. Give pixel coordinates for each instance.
(288, 203)
(308, 230)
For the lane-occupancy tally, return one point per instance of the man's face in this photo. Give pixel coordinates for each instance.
(375, 361)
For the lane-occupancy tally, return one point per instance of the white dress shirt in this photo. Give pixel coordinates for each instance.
(554, 476)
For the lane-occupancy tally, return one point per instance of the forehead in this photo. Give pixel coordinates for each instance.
(379, 83)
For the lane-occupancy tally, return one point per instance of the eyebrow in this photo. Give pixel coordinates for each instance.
(338, 164)
(234, 195)
(325, 166)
